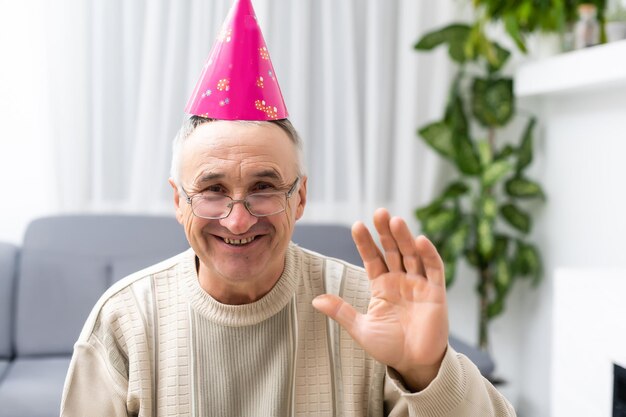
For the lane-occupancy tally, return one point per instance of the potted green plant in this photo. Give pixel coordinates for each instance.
(482, 216)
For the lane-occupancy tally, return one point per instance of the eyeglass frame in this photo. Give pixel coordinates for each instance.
(244, 201)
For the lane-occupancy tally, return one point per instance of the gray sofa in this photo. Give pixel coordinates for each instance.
(45, 299)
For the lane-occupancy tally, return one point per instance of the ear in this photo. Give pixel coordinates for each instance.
(177, 207)
(302, 195)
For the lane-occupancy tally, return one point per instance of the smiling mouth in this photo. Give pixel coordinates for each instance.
(238, 242)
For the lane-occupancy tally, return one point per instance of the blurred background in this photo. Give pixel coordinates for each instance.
(92, 93)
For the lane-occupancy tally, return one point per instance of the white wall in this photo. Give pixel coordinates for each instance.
(27, 179)
(583, 225)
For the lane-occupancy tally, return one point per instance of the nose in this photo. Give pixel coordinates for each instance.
(240, 220)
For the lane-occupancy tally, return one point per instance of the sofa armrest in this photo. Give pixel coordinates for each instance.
(8, 272)
(482, 360)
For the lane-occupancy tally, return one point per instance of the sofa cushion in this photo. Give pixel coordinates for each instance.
(67, 262)
(56, 292)
(8, 271)
(328, 239)
(33, 387)
(126, 266)
(108, 236)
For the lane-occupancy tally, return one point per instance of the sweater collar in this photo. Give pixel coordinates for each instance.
(245, 314)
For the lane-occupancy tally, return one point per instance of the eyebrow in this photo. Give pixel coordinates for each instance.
(212, 176)
(268, 173)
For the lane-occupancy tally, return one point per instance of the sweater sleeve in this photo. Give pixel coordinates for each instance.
(91, 389)
(459, 390)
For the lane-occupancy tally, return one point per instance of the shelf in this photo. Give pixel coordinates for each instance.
(602, 66)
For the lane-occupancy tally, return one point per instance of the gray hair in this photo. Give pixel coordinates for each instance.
(191, 123)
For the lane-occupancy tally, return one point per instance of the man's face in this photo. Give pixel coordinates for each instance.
(240, 254)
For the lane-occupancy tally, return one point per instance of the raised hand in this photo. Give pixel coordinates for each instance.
(406, 325)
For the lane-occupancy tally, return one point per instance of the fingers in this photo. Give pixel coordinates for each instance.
(398, 243)
(393, 259)
(372, 258)
(411, 260)
(433, 264)
(402, 252)
(338, 310)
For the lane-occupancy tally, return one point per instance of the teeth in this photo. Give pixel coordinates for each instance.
(238, 241)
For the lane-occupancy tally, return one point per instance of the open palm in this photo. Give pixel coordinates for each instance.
(406, 325)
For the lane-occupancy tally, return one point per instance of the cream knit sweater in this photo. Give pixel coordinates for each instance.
(156, 344)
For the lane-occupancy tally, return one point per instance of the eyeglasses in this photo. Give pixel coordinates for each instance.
(216, 206)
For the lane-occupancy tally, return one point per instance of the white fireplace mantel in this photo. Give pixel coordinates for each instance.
(589, 336)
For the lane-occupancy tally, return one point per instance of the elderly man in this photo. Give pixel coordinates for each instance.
(232, 327)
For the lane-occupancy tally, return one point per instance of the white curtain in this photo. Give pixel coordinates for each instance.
(120, 73)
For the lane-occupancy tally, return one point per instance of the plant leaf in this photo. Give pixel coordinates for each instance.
(495, 172)
(465, 155)
(507, 151)
(536, 265)
(519, 266)
(440, 36)
(512, 28)
(520, 187)
(525, 150)
(485, 238)
(455, 116)
(497, 57)
(478, 44)
(503, 278)
(484, 153)
(489, 207)
(423, 213)
(466, 158)
(455, 243)
(439, 136)
(532, 262)
(495, 308)
(492, 101)
(516, 217)
(442, 220)
(455, 190)
(472, 257)
(450, 272)
(527, 261)
(454, 35)
(473, 44)
(502, 246)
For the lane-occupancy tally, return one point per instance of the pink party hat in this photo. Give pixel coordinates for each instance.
(238, 81)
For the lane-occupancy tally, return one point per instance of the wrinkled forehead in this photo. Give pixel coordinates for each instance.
(237, 150)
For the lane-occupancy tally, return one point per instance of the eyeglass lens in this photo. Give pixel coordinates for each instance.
(260, 204)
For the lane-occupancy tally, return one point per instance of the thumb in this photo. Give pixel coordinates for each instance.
(337, 309)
